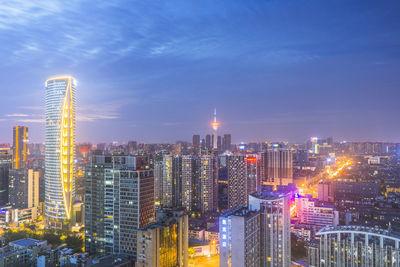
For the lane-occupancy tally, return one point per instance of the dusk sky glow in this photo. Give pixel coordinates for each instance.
(153, 71)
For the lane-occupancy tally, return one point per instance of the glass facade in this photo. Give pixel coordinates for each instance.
(60, 147)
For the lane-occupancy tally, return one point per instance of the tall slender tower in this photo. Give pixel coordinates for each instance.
(60, 149)
(20, 146)
(215, 125)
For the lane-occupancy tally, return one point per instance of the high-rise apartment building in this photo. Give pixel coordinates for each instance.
(208, 183)
(119, 199)
(158, 181)
(60, 148)
(20, 146)
(237, 181)
(274, 208)
(190, 183)
(239, 238)
(172, 181)
(164, 242)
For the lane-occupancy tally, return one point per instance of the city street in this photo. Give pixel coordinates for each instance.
(204, 261)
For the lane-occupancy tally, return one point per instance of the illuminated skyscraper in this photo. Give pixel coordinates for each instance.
(60, 148)
(274, 208)
(20, 146)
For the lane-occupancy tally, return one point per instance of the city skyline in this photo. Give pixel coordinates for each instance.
(295, 69)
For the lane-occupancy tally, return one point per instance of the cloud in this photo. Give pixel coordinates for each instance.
(21, 12)
(32, 120)
(94, 117)
(17, 115)
(172, 123)
(33, 107)
(103, 111)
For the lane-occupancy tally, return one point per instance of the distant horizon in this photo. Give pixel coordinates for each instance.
(155, 71)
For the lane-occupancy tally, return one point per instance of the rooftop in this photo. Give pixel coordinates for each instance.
(26, 242)
(241, 211)
(361, 229)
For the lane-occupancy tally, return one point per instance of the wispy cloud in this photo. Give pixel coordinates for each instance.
(94, 117)
(104, 111)
(21, 12)
(32, 107)
(31, 120)
(17, 115)
(172, 123)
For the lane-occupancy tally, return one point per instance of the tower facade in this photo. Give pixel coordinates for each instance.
(20, 146)
(215, 125)
(60, 148)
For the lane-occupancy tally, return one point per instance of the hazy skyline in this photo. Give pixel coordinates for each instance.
(153, 71)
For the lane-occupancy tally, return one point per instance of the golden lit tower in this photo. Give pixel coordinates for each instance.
(20, 146)
(215, 125)
(60, 148)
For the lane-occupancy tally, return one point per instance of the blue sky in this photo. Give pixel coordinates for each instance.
(153, 71)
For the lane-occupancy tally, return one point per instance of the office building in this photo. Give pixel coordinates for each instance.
(239, 239)
(23, 188)
(196, 141)
(20, 146)
(356, 191)
(263, 166)
(237, 181)
(132, 147)
(310, 211)
(358, 246)
(164, 242)
(119, 199)
(5, 165)
(208, 141)
(252, 175)
(325, 191)
(274, 208)
(60, 149)
(227, 142)
(279, 166)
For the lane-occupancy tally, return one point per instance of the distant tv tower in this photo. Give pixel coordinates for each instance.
(215, 125)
